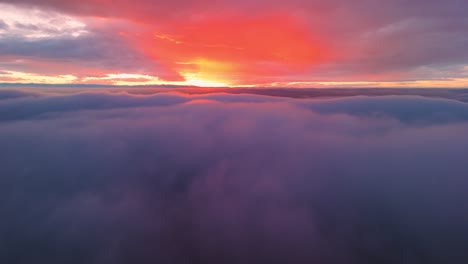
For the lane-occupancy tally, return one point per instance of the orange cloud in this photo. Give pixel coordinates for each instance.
(245, 43)
(233, 48)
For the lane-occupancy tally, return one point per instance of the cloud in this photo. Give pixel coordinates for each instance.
(33, 24)
(13, 94)
(223, 178)
(46, 43)
(3, 25)
(97, 51)
(406, 109)
(15, 110)
(264, 42)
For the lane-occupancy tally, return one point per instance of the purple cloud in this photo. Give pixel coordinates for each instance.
(118, 178)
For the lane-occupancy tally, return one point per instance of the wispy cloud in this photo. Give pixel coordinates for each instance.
(392, 43)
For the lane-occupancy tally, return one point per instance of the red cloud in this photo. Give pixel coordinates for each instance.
(222, 41)
(265, 41)
(233, 47)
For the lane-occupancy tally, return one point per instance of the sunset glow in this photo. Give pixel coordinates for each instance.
(294, 44)
(233, 131)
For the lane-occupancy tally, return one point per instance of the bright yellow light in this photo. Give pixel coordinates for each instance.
(206, 73)
(24, 77)
(126, 79)
(191, 79)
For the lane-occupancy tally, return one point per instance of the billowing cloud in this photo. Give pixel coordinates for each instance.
(101, 177)
(293, 43)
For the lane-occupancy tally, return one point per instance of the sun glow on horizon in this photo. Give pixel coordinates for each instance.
(192, 80)
(206, 73)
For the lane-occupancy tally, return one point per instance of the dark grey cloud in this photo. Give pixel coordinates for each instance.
(405, 109)
(3, 25)
(314, 93)
(61, 48)
(167, 178)
(95, 50)
(50, 105)
(12, 94)
(418, 42)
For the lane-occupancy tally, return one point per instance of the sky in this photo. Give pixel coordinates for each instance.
(295, 43)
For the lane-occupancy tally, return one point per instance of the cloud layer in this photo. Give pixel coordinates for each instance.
(221, 178)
